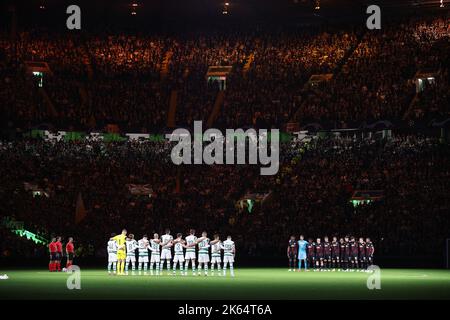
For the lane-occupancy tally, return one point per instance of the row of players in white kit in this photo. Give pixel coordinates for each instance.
(161, 251)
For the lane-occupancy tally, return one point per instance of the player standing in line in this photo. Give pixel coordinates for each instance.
(53, 258)
(292, 253)
(353, 253)
(191, 240)
(311, 254)
(203, 253)
(121, 251)
(216, 245)
(166, 253)
(327, 253)
(362, 254)
(178, 254)
(370, 250)
(70, 252)
(143, 255)
(302, 245)
(132, 245)
(229, 250)
(345, 254)
(335, 262)
(319, 254)
(112, 254)
(155, 258)
(341, 254)
(59, 253)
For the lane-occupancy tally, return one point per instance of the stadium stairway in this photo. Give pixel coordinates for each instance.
(341, 67)
(411, 107)
(172, 109)
(87, 64)
(48, 102)
(414, 105)
(248, 63)
(87, 61)
(216, 109)
(86, 58)
(84, 97)
(295, 119)
(86, 102)
(165, 64)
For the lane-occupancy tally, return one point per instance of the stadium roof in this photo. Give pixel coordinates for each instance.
(116, 12)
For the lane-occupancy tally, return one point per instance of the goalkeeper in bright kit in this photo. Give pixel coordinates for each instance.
(302, 257)
(121, 251)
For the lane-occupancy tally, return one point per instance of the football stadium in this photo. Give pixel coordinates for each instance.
(224, 150)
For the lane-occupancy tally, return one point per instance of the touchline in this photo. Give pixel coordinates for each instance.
(260, 150)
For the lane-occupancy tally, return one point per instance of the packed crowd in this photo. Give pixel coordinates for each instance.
(377, 81)
(310, 194)
(127, 79)
(100, 79)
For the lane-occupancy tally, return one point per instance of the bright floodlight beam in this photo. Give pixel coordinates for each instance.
(225, 8)
(134, 7)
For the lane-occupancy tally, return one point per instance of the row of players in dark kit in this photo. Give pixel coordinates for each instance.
(347, 254)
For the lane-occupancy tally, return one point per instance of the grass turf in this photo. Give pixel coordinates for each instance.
(261, 283)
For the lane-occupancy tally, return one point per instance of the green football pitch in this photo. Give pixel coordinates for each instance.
(247, 284)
